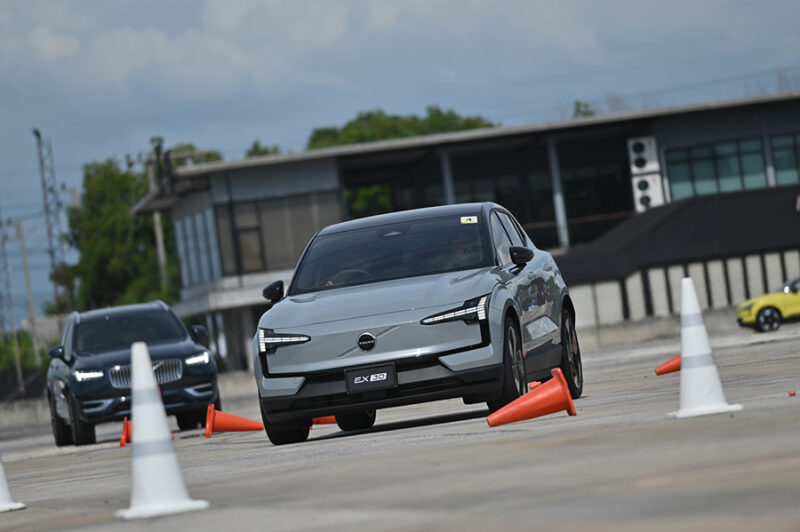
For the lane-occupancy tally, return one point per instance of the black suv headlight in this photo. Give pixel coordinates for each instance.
(472, 311)
(200, 358)
(82, 375)
(268, 340)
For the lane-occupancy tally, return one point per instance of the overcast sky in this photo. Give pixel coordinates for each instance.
(100, 78)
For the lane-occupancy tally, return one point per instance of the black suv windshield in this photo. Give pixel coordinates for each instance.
(392, 251)
(112, 332)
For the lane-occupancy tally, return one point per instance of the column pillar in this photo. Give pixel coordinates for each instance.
(558, 195)
(447, 178)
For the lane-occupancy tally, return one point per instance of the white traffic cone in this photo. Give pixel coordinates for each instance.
(6, 504)
(157, 482)
(701, 389)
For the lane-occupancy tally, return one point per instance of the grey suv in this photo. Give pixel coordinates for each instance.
(89, 378)
(444, 302)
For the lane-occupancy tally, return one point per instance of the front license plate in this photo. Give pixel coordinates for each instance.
(372, 378)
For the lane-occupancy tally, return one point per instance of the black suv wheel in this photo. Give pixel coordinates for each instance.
(356, 421)
(82, 432)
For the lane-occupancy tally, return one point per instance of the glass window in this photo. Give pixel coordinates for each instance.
(250, 249)
(722, 167)
(115, 331)
(680, 180)
(192, 266)
(213, 244)
(203, 258)
(511, 230)
(180, 245)
(501, 240)
(245, 215)
(226, 247)
(395, 251)
(785, 156)
(753, 171)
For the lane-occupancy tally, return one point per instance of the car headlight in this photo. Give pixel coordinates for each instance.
(472, 311)
(87, 374)
(746, 307)
(268, 340)
(200, 358)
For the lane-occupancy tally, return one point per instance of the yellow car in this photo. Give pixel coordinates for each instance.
(766, 312)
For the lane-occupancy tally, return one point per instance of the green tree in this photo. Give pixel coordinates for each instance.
(370, 126)
(117, 262)
(179, 154)
(581, 109)
(257, 150)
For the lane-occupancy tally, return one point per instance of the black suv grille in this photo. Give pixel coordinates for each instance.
(165, 371)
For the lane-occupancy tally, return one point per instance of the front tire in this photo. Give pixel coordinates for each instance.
(515, 381)
(82, 432)
(61, 431)
(356, 421)
(571, 364)
(768, 319)
(284, 433)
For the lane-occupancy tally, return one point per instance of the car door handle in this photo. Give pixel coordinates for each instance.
(547, 267)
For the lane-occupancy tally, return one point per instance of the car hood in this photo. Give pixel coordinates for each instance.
(122, 357)
(380, 298)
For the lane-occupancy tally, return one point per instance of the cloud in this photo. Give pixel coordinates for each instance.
(50, 45)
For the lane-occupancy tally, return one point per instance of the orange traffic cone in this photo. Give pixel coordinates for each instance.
(222, 422)
(534, 384)
(327, 420)
(673, 364)
(125, 439)
(552, 396)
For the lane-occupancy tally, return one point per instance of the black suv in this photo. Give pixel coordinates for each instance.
(89, 379)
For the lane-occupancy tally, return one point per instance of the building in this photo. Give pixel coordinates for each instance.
(242, 224)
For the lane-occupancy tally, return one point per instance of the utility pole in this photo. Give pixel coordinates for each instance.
(29, 291)
(161, 253)
(10, 302)
(52, 209)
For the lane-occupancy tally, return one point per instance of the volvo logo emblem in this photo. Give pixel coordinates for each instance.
(366, 342)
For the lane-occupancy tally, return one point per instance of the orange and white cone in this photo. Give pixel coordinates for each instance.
(535, 384)
(7, 504)
(701, 388)
(156, 478)
(327, 420)
(551, 397)
(670, 366)
(218, 421)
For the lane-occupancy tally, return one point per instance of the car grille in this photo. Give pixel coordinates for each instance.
(165, 371)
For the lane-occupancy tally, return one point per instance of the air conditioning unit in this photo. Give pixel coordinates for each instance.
(645, 166)
(643, 155)
(647, 191)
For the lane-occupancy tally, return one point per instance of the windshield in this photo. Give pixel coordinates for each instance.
(393, 251)
(110, 332)
(792, 285)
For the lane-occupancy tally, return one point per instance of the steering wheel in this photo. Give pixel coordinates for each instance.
(344, 274)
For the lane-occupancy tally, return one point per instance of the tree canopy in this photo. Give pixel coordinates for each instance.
(257, 150)
(117, 263)
(374, 125)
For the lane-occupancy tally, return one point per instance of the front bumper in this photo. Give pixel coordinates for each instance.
(418, 380)
(112, 404)
(746, 318)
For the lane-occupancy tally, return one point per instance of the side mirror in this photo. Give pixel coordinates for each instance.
(520, 255)
(56, 352)
(273, 291)
(200, 334)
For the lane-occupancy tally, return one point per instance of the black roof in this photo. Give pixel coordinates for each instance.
(121, 310)
(458, 209)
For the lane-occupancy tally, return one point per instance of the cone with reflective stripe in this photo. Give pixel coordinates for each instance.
(551, 397)
(327, 420)
(670, 366)
(156, 478)
(6, 503)
(701, 388)
(217, 421)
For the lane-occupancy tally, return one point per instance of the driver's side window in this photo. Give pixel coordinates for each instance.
(501, 240)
